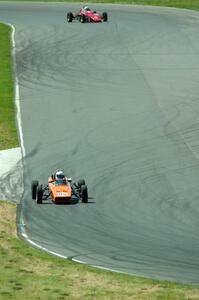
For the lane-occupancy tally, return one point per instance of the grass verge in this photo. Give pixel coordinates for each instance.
(27, 273)
(190, 4)
(8, 135)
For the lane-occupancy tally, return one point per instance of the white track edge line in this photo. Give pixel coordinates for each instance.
(20, 132)
(16, 91)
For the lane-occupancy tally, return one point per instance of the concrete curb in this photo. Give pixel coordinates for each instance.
(11, 175)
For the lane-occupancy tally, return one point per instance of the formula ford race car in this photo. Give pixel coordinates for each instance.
(85, 14)
(60, 192)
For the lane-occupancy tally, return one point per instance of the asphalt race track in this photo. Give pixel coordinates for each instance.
(116, 103)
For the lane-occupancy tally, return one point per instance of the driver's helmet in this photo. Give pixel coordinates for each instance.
(59, 175)
(86, 8)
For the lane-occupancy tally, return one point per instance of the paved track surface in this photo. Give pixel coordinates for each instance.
(117, 104)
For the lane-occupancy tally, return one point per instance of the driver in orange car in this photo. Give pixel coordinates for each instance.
(59, 177)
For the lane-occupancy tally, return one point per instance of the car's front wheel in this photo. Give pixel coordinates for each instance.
(84, 193)
(69, 17)
(39, 194)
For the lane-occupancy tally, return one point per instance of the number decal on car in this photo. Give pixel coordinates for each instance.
(62, 194)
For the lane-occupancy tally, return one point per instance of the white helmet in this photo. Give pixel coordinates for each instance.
(59, 175)
(86, 8)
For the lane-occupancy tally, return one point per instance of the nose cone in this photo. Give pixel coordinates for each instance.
(62, 191)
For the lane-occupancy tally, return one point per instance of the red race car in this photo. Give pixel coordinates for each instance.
(85, 14)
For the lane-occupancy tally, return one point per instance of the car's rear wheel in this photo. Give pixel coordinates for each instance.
(39, 194)
(69, 17)
(34, 185)
(81, 182)
(105, 16)
(82, 18)
(84, 193)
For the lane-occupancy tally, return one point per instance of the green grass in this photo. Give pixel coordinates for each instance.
(30, 274)
(190, 4)
(27, 273)
(8, 135)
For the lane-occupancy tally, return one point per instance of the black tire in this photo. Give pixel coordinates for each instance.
(104, 16)
(39, 194)
(82, 18)
(69, 17)
(84, 193)
(34, 185)
(81, 182)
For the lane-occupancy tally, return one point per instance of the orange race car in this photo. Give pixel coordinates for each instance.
(60, 189)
